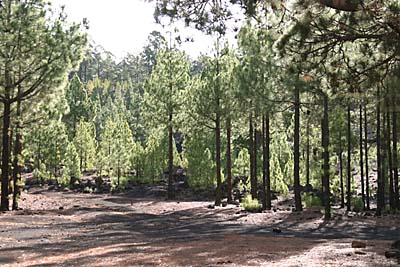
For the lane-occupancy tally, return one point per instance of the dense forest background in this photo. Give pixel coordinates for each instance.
(305, 106)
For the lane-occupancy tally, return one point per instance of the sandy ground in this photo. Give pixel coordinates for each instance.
(73, 229)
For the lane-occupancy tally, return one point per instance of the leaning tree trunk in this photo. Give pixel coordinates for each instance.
(325, 145)
(218, 196)
(381, 185)
(5, 157)
(395, 161)
(366, 158)
(228, 160)
(361, 159)
(296, 145)
(348, 159)
(16, 163)
(343, 5)
(266, 162)
(171, 193)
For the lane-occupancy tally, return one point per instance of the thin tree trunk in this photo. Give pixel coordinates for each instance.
(5, 157)
(366, 158)
(296, 169)
(381, 186)
(390, 162)
(308, 151)
(341, 178)
(171, 193)
(348, 159)
(361, 159)
(266, 163)
(228, 160)
(16, 164)
(255, 159)
(251, 151)
(395, 161)
(325, 145)
(218, 197)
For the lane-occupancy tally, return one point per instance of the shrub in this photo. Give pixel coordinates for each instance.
(357, 204)
(311, 200)
(251, 205)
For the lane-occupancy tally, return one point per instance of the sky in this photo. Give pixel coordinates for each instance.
(122, 26)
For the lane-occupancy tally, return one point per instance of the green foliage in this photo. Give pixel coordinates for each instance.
(86, 145)
(201, 166)
(311, 200)
(357, 204)
(241, 165)
(251, 205)
(72, 169)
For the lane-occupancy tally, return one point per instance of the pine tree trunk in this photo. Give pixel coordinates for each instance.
(361, 159)
(10, 163)
(296, 169)
(171, 193)
(266, 162)
(395, 161)
(253, 181)
(325, 145)
(218, 195)
(366, 159)
(4, 206)
(390, 162)
(308, 151)
(341, 178)
(16, 164)
(348, 159)
(228, 161)
(255, 140)
(381, 186)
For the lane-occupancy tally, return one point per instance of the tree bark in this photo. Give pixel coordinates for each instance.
(341, 178)
(255, 140)
(381, 186)
(325, 145)
(343, 5)
(228, 160)
(218, 196)
(348, 159)
(171, 193)
(395, 161)
(4, 206)
(253, 181)
(366, 159)
(266, 162)
(308, 151)
(390, 162)
(361, 159)
(296, 169)
(16, 164)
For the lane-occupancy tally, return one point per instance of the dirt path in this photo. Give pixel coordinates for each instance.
(69, 229)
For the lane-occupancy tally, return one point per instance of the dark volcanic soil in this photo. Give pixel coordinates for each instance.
(73, 229)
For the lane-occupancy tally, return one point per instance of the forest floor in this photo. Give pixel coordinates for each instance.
(139, 228)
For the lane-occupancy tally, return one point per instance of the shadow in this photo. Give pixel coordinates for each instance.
(125, 231)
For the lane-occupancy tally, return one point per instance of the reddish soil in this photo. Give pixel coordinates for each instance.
(74, 229)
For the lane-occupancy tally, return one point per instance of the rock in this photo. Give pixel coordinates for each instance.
(358, 244)
(358, 252)
(276, 230)
(396, 245)
(211, 206)
(393, 253)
